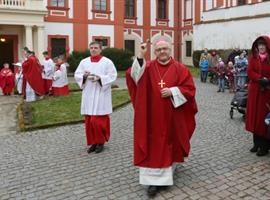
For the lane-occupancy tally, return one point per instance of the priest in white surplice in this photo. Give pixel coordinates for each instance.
(163, 96)
(95, 75)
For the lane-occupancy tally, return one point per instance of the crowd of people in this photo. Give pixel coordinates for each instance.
(232, 73)
(251, 75)
(33, 79)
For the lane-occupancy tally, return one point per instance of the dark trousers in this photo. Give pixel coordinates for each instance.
(261, 142)
(204, 76)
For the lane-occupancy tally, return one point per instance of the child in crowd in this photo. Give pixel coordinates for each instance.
(230, 73)
(221, 72)
(241, 64)
(204, 65)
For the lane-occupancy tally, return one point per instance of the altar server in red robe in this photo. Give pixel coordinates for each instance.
(60, 79)
(95, 75)
(7, 80)
(48, 70)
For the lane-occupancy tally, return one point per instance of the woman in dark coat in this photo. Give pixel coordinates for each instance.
(259, 94)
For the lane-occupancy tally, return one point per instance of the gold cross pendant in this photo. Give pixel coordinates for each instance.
(161, 83)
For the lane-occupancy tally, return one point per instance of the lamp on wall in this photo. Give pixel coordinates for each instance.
(2, 39)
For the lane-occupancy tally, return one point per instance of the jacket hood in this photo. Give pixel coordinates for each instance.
(254, 45)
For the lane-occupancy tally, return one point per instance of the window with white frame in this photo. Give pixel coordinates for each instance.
(129, 8)
(58, 3)
(162, 9)
(101, 5)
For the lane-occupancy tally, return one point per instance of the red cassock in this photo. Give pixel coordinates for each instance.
(97, 129)
(60, 91)
(257, 99)
(7, 80)
(161, 132)
(32, 74)
(47, 85)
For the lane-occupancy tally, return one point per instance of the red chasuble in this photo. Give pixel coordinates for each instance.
(7, 80)
(32, 74)
(257, 99)
(161, 132)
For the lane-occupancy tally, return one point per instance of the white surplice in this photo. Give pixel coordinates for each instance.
(60, 78)
(19, 81)
(96, 96)
(48, 69)
(156, 176)
(30, 94)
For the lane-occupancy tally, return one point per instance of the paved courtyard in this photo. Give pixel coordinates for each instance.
(53, 163)
(8, 120)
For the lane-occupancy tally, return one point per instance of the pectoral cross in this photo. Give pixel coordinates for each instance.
(161, 83)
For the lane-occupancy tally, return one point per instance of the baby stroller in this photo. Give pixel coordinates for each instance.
(239, 102)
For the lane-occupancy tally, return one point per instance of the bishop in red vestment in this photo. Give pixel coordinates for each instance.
(7, 80)
(258, 104)
(163, 96)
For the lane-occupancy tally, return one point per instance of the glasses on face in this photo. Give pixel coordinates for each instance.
(162, 49)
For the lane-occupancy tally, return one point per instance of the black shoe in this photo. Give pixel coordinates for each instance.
(254, 149)
(152, 191)
(219, 91)
(92, 148)
(99, 148)
(262, 152)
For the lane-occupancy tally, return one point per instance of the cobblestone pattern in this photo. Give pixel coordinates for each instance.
(53, 163)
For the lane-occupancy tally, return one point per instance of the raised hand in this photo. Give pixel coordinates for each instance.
(143, 49)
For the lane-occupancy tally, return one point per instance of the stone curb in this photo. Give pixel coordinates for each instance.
(21, 124)
(24, 128)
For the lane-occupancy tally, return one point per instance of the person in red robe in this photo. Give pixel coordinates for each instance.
(259, 95)
(162, 92)
(33, 83)
(7, 80)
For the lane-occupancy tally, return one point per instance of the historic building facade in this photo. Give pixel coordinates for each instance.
(61, 26)
(225, 24)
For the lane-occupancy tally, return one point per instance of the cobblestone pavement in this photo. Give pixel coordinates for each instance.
(8, 120)
(53, 163)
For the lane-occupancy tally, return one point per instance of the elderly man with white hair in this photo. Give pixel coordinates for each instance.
(163, 96)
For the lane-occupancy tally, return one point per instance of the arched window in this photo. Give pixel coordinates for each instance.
(129, 8)
(162, 9)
